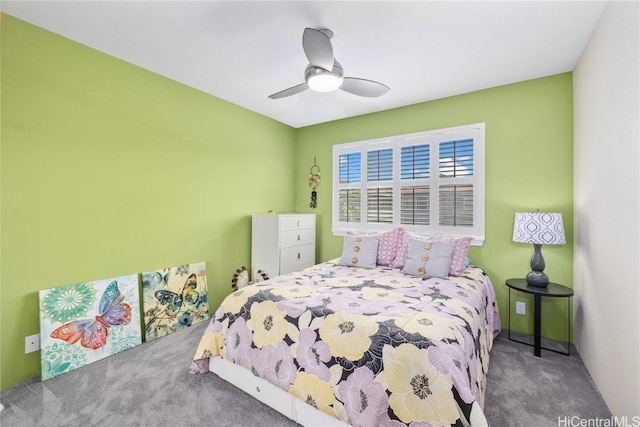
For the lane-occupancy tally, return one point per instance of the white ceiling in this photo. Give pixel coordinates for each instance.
(244, 51)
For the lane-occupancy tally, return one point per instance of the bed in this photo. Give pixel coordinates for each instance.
(337, 344)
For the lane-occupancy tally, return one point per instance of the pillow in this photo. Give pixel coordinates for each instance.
(428, 259)
(359, 251)
(461, 247)
(388, 244)
(459, 257)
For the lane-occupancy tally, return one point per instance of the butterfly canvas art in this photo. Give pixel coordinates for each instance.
(174, 298)
(86, 322)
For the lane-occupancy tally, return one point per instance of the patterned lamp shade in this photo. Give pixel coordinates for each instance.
(543, 228)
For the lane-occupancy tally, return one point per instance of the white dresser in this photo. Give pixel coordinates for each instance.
(282, 243)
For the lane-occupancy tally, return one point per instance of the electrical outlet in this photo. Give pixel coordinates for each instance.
(31, 343)
(521, 308)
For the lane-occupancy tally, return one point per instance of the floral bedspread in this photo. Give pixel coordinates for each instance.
(368, 346)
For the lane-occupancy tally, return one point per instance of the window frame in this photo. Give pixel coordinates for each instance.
(434, 138)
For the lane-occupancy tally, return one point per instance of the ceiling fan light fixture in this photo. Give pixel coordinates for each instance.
(324, 82)
(324, 73)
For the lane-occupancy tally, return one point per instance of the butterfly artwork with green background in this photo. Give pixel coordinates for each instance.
(174, 298)
(86, 322)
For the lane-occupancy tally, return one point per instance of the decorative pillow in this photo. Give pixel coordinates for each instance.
(388, 244)
(359, 251)
(461, 247)
(428, 259)
(459, 258)
(401, 256)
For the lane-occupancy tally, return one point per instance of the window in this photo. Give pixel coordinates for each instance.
(429, 182)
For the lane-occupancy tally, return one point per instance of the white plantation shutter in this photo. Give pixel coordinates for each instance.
(349, 195)
(429, 183)
(349, 167)
(456, 158)
(415, 161)
(414, 205)
(456, 205)
(415, 170)
(379, 190)
(455, 166)
(380, 165)
(380, 205)
(349, 205)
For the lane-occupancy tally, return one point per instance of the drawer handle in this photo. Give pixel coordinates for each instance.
(298, 255)
(298, 223)
(298, 237)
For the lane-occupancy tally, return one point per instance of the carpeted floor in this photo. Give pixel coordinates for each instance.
(150, 386)
(525, 390)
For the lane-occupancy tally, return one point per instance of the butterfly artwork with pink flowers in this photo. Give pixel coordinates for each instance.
(174, 298)
(86, 322)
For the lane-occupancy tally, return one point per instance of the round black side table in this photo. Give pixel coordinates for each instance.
(553, 290)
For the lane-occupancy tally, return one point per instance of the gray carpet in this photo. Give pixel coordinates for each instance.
(150, 386)
(528, 391)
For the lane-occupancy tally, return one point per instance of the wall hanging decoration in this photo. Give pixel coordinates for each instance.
(86, 322)
(174, 298)
(314, 182)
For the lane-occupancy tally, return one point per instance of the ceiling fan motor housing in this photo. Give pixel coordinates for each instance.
(313, 71)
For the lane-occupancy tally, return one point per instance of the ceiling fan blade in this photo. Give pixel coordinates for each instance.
(291, 91)
(317, 47)
(363, 87)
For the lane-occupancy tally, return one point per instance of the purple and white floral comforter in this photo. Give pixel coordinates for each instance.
(368, 346)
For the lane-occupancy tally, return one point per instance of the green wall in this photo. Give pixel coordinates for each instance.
(529, 166)
(108, 169)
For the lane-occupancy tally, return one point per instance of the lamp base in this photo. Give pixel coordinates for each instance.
(537, 279)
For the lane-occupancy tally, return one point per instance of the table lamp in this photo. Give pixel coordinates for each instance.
(539, 228)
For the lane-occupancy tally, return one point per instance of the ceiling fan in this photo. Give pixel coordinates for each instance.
(324, 73)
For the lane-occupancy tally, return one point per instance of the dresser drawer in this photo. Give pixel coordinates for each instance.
(290, 238)
(297, 258)
(294, 222)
